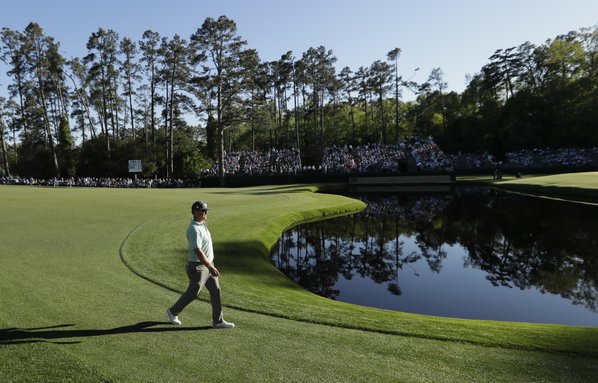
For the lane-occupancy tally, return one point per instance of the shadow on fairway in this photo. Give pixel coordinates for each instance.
(52, 334)
(272, 190)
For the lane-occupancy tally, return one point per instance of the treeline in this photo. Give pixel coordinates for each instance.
(178, 104)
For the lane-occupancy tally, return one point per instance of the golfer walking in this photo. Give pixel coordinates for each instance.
(200, 269)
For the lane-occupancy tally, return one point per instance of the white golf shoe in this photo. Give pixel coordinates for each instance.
(173, 318)
(223, 324)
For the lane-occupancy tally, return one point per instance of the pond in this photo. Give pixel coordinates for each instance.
(474, 253)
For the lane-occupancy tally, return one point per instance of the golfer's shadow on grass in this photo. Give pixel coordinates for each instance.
(58, 334)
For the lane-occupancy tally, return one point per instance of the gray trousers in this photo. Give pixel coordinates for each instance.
(199, 275)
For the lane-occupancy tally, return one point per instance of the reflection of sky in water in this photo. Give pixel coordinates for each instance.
(462, 293)
(461, 288)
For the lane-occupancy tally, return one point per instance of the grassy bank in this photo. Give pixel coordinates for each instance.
(74, 306)
(582, 187)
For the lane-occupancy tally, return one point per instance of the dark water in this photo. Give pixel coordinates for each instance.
(473, 253)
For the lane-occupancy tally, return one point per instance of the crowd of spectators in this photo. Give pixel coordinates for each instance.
(529, 159)
(420, 153)
(273, 162)
(101, 182)
(363, 158)
(547, 158)
(411, 155)
(464, 161)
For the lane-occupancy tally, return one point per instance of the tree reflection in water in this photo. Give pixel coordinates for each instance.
(519, 242)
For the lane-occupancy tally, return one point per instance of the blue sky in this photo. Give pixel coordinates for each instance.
(456, 35)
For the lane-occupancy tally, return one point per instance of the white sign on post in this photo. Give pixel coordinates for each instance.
(135, 166)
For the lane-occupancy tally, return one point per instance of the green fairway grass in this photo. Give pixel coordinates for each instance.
(580, 187)
(580, 181)
(86, 276)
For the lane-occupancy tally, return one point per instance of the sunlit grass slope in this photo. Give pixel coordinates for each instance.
(577, 186)
(585, 180)
(72, 310)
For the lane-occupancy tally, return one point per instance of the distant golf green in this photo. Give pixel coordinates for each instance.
(86, 276)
